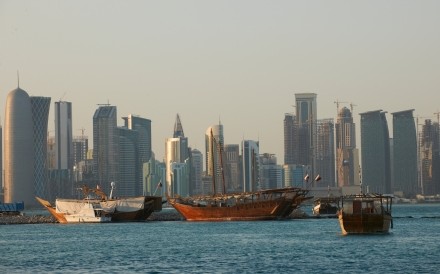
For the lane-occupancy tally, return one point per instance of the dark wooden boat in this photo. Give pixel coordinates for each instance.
(119, 209)
(271, 204)
(325, 206)
(365, 214)
(267, 204)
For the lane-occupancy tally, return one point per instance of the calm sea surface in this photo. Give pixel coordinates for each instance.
(292, 246)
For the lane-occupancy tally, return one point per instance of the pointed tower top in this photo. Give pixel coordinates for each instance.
(178, 129)
(18, 79)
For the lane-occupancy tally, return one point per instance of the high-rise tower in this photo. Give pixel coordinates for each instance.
(306, 115)
(347, 156)
(19, 150)
(143, 150)
(63, 136)
(405, 153)
(129, 183)
(325, 153)
(290, 139)
(214, 144)
(251, 168)
(177, 161)
(105, 147)
(429, 150)
(40, 118)
(143, 126)
(375, 146)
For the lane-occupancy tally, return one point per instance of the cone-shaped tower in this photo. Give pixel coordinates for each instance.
(19, 152)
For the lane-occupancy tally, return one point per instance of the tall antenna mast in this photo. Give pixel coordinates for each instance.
(18, 79)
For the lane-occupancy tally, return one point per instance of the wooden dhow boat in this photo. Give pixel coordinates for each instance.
(271, 204)
(119, 209)
(325, 207)
(365, 214)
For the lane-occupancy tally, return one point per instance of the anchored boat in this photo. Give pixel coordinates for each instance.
(365, 214)
(119, 209)
(268, 204)
(325, 206)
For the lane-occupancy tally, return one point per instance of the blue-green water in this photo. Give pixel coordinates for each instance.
(292, 246)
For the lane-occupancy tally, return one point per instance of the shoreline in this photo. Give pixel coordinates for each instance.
(163, 215)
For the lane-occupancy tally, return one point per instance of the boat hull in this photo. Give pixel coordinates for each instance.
(120, 210)
(87, 219)
(247, 212)
(364, 223)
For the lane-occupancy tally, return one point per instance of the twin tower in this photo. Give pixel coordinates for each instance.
(25, 150)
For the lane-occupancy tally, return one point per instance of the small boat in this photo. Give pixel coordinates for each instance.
(365, 214)
(325, 207)
(89, 214)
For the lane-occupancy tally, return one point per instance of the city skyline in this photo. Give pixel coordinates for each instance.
(210, 62)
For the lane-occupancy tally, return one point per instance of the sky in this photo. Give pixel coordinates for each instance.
(237, 62)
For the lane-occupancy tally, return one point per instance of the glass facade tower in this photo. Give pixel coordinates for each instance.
(375, 146)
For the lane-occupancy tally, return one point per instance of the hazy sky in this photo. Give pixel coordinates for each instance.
(238, 61)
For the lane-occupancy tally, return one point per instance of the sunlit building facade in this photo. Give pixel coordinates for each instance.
(347, 159)
(19, 149)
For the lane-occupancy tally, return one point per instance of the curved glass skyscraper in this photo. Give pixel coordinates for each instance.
(19, 152)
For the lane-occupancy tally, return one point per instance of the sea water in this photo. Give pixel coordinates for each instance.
(291, 246)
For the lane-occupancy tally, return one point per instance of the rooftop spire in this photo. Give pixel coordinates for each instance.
(18, 79)
(178, 129)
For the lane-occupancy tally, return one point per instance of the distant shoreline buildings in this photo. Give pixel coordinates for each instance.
(35, 164)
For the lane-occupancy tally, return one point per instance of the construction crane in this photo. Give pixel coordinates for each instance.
(438, 116)
(351, 107)
(337, 104)
(62, 97)
(82, 132)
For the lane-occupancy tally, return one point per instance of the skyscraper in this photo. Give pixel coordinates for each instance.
(19, 150)
(306, 115)
(177, 161)
(232, 167)
(347, 159)
(80, 148)
(196, 172)
(270, 174)
(129, 183)
(63, 136)
(105, 147)
(290, 139)
(405, 153)
(375, 146)
(178, 133)
(325, 153)
(213, 158)
(250, 156)
(143, 150)
(143, 126)
(429, 150)
(40, 117)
